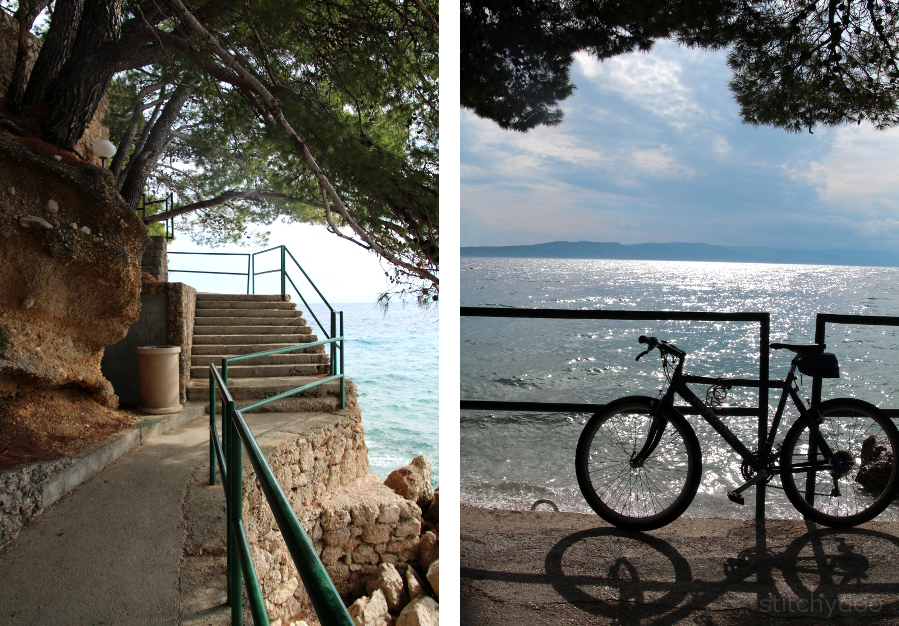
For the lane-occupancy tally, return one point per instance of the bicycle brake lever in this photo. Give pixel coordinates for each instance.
(644, 353)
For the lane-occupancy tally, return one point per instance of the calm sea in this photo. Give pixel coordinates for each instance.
(392, 358)
(510, 460)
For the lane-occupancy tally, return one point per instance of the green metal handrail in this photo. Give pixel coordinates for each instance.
(236, 435)
(251, 275)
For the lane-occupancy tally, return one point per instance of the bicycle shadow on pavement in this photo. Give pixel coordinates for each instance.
(517, 566)
(823, 574)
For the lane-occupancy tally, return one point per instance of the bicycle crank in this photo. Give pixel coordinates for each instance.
(736, 496)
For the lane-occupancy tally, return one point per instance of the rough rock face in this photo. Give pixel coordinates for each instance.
(413, 482)
(69, 254)
(876, 463)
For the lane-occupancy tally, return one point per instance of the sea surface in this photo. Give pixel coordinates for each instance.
(392, 358)
(511, 459)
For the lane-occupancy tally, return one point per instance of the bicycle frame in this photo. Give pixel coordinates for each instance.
(759, 462)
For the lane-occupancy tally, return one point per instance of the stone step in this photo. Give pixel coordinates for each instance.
(210, 320)
(255, 370)
(240, 297)
(231, 350)
(290, 358)
(250, 312)
(247, 390)
(245, 304)
(219, 339)
(251, 330)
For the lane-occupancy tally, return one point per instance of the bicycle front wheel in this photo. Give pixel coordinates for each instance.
(645, 497)
(865, 442)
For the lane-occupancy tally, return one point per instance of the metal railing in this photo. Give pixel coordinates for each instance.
(168, 203)
(286, 278)
(821, 321)
(763, 319)
(236, 435)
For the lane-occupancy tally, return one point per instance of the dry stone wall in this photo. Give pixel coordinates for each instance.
(355, 523)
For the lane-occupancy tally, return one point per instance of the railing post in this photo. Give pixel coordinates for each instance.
(342, 377)
(333, 346)
(283, 273)
(234, 512)
(253, 271)
(764, 363)
(249, 270)
(211, 428)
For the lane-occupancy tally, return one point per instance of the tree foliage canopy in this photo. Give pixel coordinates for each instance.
(248, 111)
(795, 64)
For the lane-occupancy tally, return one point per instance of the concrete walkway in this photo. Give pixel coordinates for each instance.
(566, 568)
(110, 552)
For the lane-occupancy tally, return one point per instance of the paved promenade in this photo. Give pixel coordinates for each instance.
(565, 568)
(117, 549)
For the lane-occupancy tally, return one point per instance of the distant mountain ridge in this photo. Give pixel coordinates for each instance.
(685, 252)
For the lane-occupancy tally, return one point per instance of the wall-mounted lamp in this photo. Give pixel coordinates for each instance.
(105, 150)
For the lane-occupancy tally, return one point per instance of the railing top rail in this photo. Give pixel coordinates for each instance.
(594, 314)
(220, 383)
(212, 253)
(321, 591)
(247, 357)
(320, 295)
(266, 250)
(868, 320)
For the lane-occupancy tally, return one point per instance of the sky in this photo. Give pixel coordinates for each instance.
(343, 271)
(652, 149)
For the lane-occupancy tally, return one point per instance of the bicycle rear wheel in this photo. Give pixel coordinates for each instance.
(858, 433)
(641, 498)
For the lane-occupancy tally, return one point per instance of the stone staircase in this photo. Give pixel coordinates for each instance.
(229, 325)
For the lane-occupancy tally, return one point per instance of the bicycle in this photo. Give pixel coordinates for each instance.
(639, 463)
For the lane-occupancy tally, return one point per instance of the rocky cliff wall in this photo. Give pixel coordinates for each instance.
(69, 277)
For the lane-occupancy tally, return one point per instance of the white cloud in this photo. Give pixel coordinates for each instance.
(652, 82)
(860, 170)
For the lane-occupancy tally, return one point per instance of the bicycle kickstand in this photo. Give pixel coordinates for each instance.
(736, 495)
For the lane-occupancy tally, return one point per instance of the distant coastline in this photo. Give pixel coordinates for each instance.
(686, 252)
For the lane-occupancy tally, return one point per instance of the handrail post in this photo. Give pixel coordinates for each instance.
(249, 270)
(211, 429)
(333, 345)
(764, 363)
(234, 513)
(253, 270)
(342, 376)
(283, 273)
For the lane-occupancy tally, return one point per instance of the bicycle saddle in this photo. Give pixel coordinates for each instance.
(800, 348)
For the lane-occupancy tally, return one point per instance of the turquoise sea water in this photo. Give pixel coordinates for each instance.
(510, 460)
(392, 359)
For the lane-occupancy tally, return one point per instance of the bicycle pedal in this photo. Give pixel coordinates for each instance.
(736, 498)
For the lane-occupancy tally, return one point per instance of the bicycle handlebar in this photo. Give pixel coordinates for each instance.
(663, 346)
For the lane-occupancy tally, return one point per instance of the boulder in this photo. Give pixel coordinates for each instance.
(414, 584)
(433, 512)
(370, 611)
(429, 550)
(433, 577)
(422, 611)
(389, 581)
(876, 463)
(413, 482)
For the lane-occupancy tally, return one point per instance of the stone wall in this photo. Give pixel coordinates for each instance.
(354, 522)
(9, 30)
(181, 309)
(22, 494)
(155, 260)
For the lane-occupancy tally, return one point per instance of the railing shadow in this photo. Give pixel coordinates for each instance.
(623, 578)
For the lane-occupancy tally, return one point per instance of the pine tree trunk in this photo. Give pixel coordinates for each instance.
(74, 95)
(144, 162)
(25, 16)
(56, 50)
